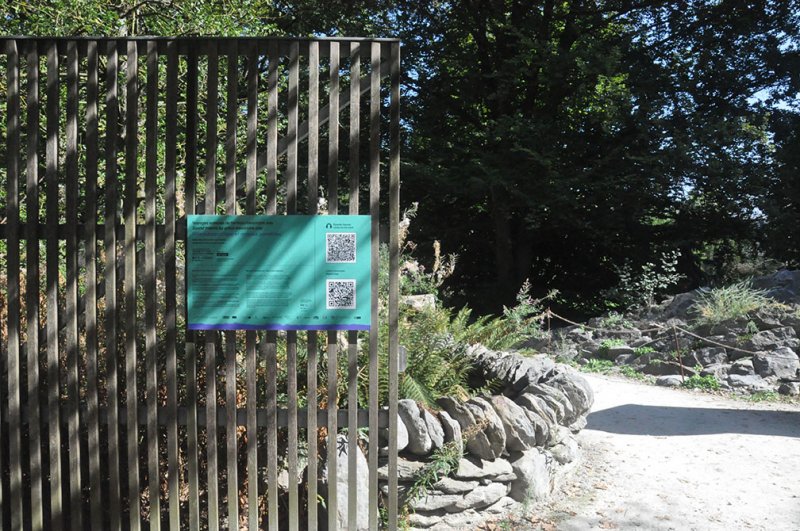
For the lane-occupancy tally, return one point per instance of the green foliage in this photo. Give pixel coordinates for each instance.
(615, 320)
(695, 381)
(442, 463)
(639, 288)
(630, 372)
(730, 302)
(597, 365)
(641, 351)
(763, 396)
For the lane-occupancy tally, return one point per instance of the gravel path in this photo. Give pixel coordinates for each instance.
(658, 458)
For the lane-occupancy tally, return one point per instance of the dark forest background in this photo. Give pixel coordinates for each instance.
(594, 147)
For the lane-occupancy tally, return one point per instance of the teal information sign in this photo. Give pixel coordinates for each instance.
(278, 272)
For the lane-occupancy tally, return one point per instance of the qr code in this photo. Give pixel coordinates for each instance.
(340, 247)
(340, 295)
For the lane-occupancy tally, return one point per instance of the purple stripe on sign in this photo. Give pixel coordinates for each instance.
(235, 326)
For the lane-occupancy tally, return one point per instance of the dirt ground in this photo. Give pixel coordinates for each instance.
(657, 458)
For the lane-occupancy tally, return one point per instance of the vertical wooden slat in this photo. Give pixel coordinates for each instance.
(333, 209)
(250, 336)
(32, 290)
(129, 207)
(53, 392)
(150, 337)
(230, 336)
(211, 336)
(170, 289)
(111, 317)
(394, 275)
(75, 509)
(352, 335)
(291, 336)
(12, 215)
(313, 201)
(271, 337)
(93, 383)
(374, 209)
(191, 349)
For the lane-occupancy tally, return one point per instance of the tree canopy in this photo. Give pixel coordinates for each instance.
(560, 141)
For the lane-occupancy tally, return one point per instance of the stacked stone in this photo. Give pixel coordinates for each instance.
(515, 445)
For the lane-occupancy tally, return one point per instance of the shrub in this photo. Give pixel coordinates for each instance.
(641, 351)
(727, 303)
(708, 383)
(596, 365)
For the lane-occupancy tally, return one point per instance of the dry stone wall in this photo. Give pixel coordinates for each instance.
(520, 442)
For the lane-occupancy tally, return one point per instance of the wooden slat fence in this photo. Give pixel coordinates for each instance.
(114, 415)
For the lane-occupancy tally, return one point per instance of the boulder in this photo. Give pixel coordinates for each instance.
(533, 476)
(680, 305)
(789, 388)
(558, 401)
(577, 390)
(719, 371)
(520, 433)
(493, 430)
(670, 380)
(454, 486)
(434, 427)
(419, 440)
(342, 483)
(452, 430)
(406, 469)
(783, 286)
(473, 468)
(537, 405)
(479, 498)
(611, 353)
(558, 435)
(477, 442)
(402, 435)
(430, 501)
(711, 356)
(768, 340)
(659, 367)
(743, 367)
(781, 362)
(749, 382)
(566, 451)
(531, 371)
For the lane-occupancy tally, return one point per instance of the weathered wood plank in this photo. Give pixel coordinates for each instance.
(352, 336)
(211, 337)
(13, 262)
(313, 201)
(32, 289)
(333, 209)
(71, 302)
(232, 480)
(394, 274)
(374, 209)
(151, 302)
(170, 289)
(271, 337)
(250, 336)
(53, 391)
(90, 243)
(111, 317)
(129, 292)
(291, 336)
(191, 349)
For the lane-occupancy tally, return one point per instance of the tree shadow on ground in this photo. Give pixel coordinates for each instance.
(636, 419)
